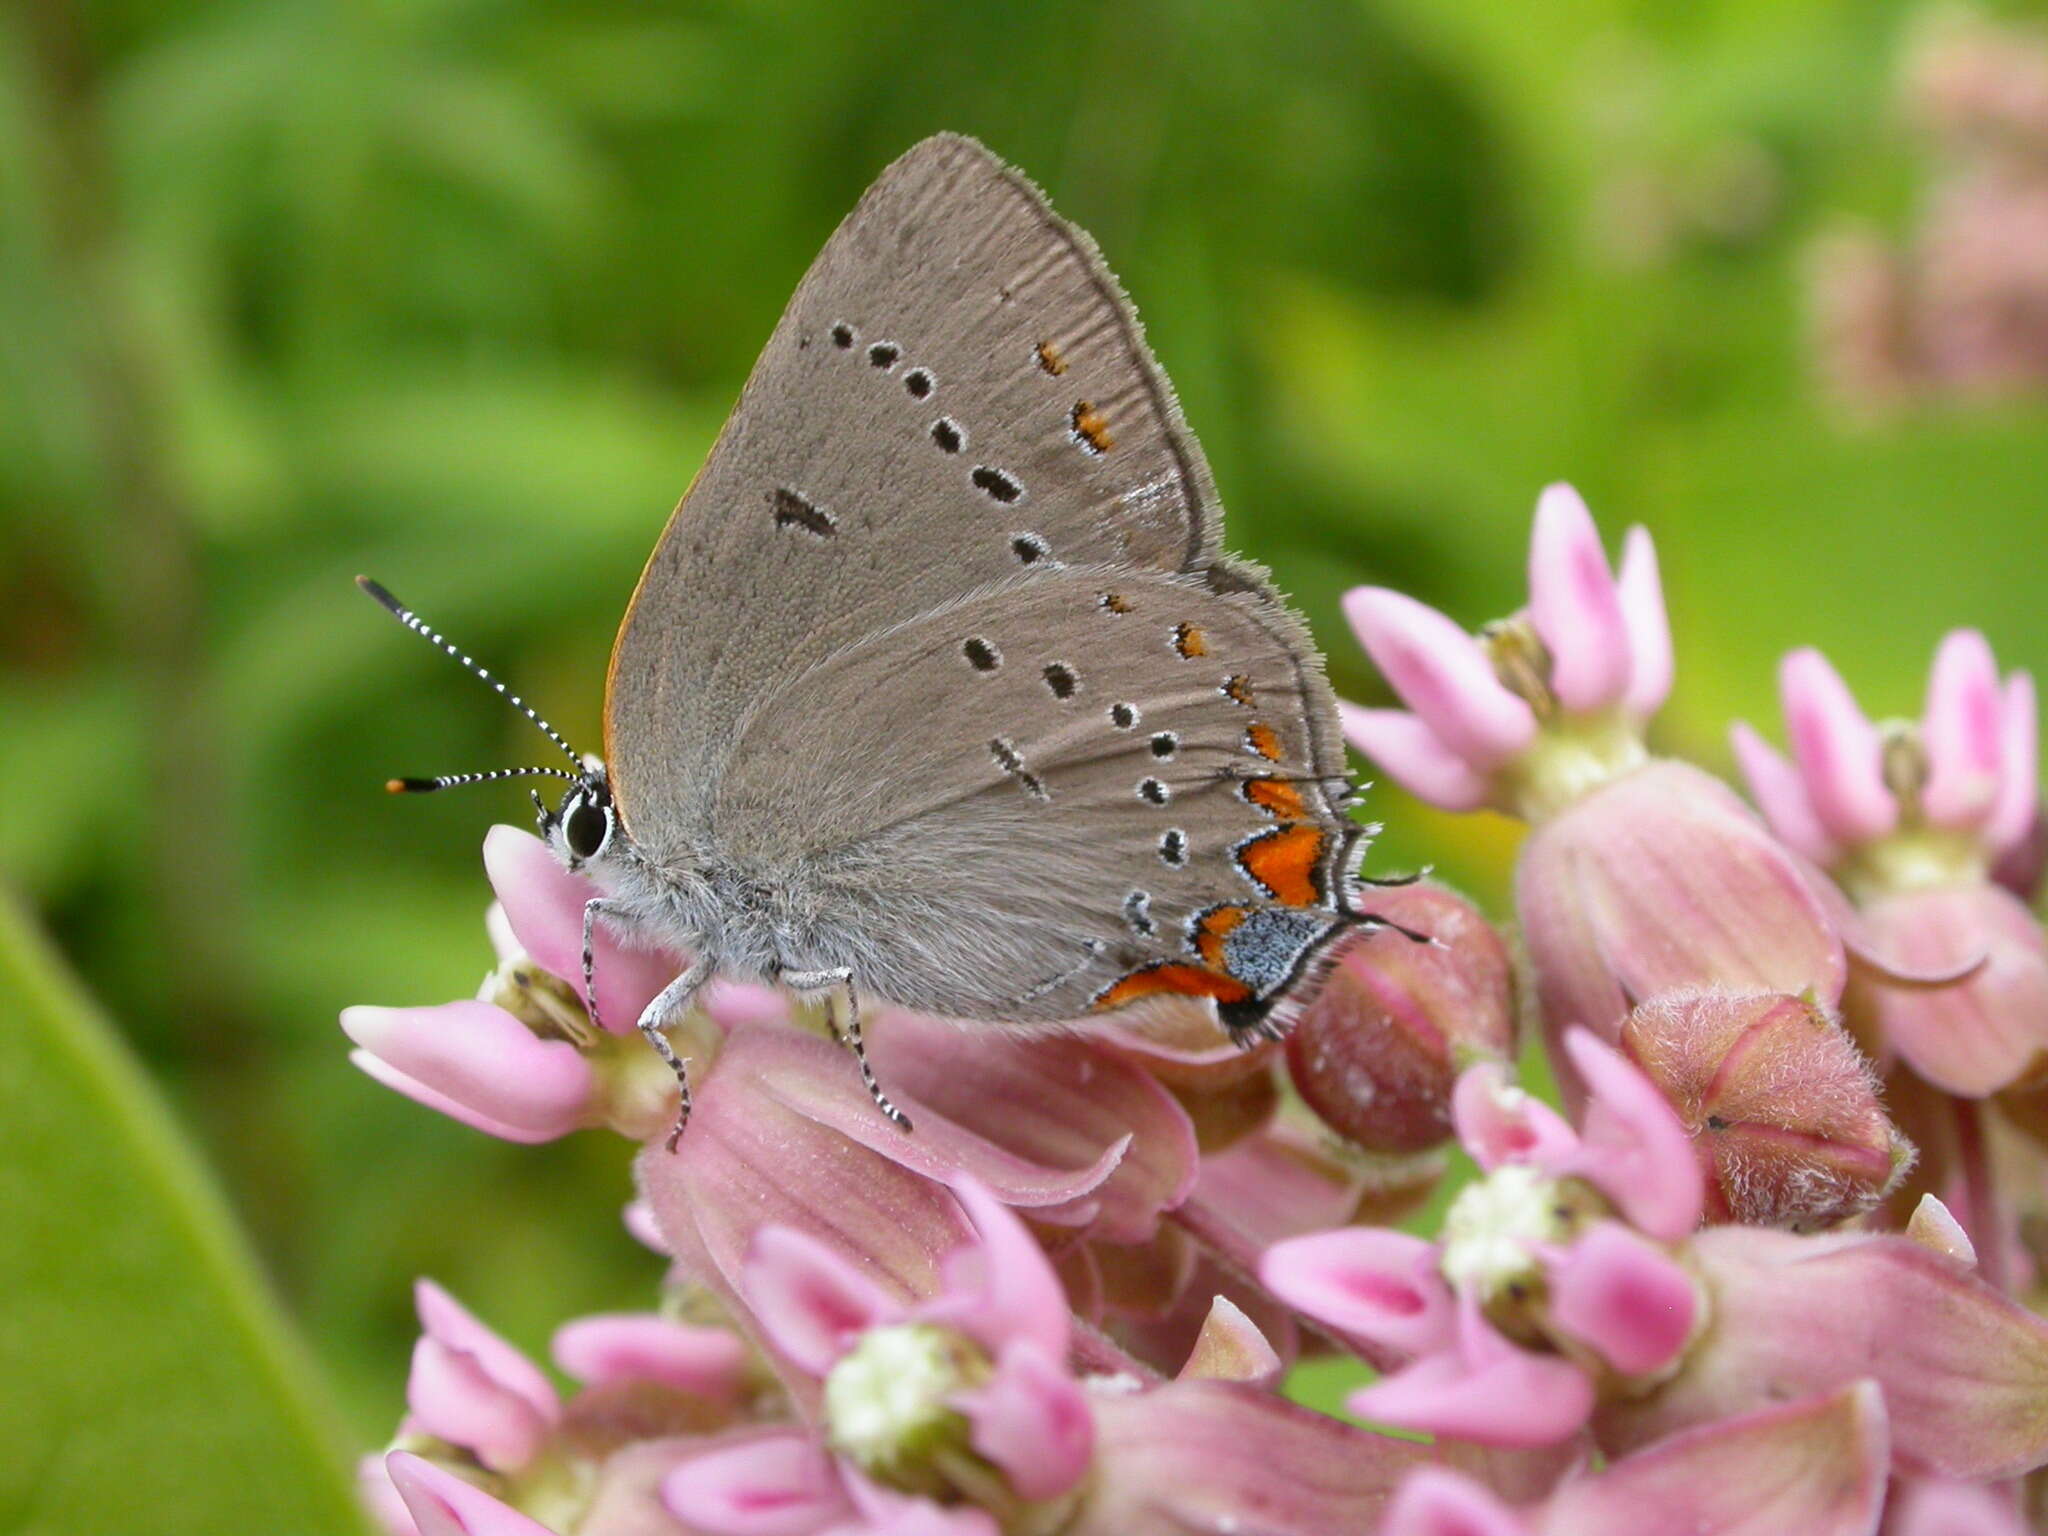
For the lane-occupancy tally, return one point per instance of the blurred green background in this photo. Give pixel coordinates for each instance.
(457, 292)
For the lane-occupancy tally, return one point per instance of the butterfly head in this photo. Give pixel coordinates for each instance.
(584, 828)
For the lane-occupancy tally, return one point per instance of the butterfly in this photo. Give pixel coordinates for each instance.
(938, 688)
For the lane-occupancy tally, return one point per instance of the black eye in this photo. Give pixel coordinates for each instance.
(586, 827)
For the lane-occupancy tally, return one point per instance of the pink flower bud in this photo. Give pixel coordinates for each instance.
(476, 1063)
(1979, 1035)
(1782, 1108)
(1376, 1052)
(1659, 881)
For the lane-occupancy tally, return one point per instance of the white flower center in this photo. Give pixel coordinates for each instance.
(887, 1396)
(1493, 1224)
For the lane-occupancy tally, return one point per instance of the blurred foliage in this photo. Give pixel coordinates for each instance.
(457, 292)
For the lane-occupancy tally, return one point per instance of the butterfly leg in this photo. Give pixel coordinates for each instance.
(670, 1004)
(593, 909)
(849, 1033)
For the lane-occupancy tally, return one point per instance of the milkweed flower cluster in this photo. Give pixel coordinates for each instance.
(1719, 1290)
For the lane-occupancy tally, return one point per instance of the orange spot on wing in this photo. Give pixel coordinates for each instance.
(1287, 862)
(1091, 427)
(1116, 602)
(1050, 360)
(1264, 740)
(1175, 978)
(1189, 640)
(1238, 689)
(1277, 797)
(1212, 928)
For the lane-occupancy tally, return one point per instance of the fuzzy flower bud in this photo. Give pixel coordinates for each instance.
(1377, 1051)
(1782, 1108)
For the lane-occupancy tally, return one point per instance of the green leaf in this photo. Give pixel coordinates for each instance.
(147, 1380)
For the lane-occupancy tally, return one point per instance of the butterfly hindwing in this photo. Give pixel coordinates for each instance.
(1076, 789)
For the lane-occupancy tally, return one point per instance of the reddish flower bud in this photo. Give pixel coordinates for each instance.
(1781, 1106)
(1375, 1054)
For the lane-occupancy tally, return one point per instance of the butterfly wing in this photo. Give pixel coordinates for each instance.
(1068, 791)
(958, 393)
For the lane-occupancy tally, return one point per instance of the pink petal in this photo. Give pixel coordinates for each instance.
(645, 1346)
(383, 1072)
(1032, 1420)
(1628, 1300)
(809, 1299)
(454, 1399)
(1636, 1149)
(1484, 1389)
(729, 1177)
(774, 1483)
(1815, 1467)
(1006, 1147)
(1662, 879)
(1230, 1347)
(1837, 749)
(1976, 1036)
(1415, 757)
(443, 1504)
(1212, 1456)
(1954, 1509)
(386, 1505)
(544, 906)
(1964, 1370)
(477, 1055)
(1058, 1104)
(1780, 793)
(1574, 604)
(1962, 731)
(1377, 1283)
(885, 1512)
(1000, 1287)
(446, 1321)
(2019, 785)
(1649, 628)
(1441, 673)
(638, 1218)
(1499, 1123)
(1433, 1502)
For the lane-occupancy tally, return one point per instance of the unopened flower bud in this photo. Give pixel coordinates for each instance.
(1782, 1108)
(1375, 1054)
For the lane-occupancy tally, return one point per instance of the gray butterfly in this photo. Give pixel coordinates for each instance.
(938, 688)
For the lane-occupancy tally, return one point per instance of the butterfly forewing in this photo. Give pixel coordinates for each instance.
(957, 393)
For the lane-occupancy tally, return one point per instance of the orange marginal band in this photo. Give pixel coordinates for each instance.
(1278, 796)
(1176, 978)
(1287, 862)
(1212, 928)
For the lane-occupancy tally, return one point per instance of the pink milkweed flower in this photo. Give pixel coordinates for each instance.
(1550, 1282)
(964, 1391)
(483, 1417)
(1640, 875)
(1912, 818)
(1538, 708)
(1066, 1125)
(523, 1060)
(1815, 1467)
